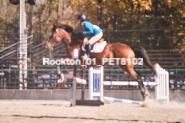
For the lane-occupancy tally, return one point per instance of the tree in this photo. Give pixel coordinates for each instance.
(154, 24)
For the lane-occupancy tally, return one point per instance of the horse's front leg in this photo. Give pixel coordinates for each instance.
(59, 72)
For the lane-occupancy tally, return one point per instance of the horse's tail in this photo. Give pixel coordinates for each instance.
(140, 52)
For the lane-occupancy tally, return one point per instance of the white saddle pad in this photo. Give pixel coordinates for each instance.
(98, 47)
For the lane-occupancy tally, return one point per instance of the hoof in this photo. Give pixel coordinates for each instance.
(146, 93)
(61, 78)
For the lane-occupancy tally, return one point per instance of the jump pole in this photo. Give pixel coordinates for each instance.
(123, 100)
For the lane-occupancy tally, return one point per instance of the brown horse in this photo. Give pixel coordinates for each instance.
(113, 50)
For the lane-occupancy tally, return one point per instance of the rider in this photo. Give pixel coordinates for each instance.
(90, 28)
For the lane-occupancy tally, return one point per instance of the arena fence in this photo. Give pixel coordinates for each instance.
(47, 78)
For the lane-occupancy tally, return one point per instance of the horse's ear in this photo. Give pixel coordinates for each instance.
(53, 27)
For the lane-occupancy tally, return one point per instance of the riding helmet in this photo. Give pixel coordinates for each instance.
(81, 17)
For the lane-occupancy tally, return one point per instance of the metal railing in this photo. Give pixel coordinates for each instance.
(10, 53)
(47, 78)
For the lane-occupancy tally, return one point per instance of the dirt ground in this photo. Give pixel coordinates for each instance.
(59, 111)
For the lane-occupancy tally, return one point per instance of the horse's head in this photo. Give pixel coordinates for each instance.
(57, 36)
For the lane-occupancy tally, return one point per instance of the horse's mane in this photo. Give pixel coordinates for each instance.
(67, 28)
(75, 37)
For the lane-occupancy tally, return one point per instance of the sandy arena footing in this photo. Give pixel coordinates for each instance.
(59, 111)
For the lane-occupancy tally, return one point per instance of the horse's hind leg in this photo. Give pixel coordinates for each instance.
(143, 89)
(130, 70)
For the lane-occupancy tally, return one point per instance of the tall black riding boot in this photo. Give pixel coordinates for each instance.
(88, 49)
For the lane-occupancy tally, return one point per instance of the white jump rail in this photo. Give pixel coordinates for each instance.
(80, 81)
(127, 83)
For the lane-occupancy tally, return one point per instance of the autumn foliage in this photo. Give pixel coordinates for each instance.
(154, 24)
